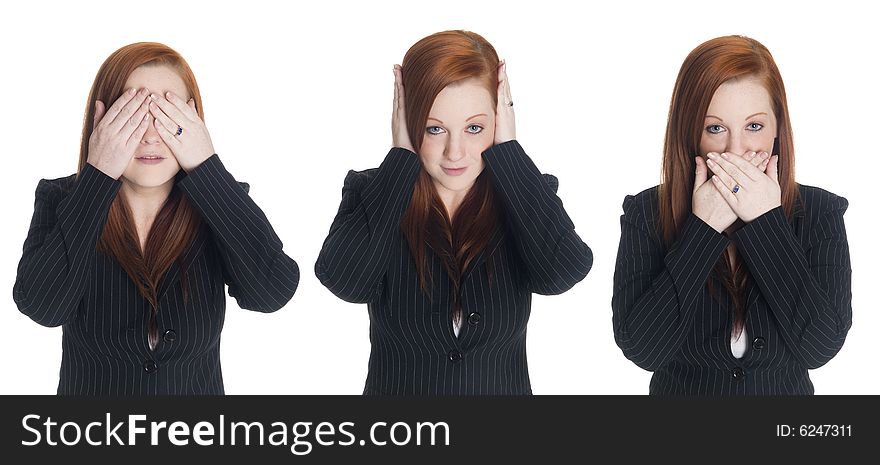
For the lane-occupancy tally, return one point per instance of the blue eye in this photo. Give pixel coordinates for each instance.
(434, 130)
(715, 129)
(755, 127)
(474, 129)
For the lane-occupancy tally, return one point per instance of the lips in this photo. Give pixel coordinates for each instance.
(149, 159)
(454, 171)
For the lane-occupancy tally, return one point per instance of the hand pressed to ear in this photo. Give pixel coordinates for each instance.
(181, 128)
(399, 135)
(505, 121)
(117, 132)
(749, 190)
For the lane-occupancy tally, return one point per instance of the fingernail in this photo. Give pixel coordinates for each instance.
(153, 97)
(132, 91)
(168, 95)
(711, 155)
(724, 155)
(710, 162)
(765, 155)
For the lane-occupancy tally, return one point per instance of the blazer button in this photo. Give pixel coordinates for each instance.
(150, 366)
(170, 335)
(454, 356)
(474, 318)
(738, 373)
(758, 343)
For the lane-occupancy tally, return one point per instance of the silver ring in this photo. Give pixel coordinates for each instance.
(179, 131)
(735, 188)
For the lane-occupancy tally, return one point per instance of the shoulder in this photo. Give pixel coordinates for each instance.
(642, 205)
(357, 180)
(551, 181)
(53, 190)
(817, 202)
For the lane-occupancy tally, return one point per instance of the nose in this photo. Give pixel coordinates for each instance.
(735, 144)
(454, 148)
(151, 137)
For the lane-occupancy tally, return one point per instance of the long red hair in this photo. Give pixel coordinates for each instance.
(177, 222)
(703, 71)
(428, 67)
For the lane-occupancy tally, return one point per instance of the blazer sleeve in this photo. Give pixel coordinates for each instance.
(59, 253)
(807, 287)
(655, 291)
(355, 254)
(260, 275)
(555, 256)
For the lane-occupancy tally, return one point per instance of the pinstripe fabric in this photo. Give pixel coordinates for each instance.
(798, 301)
(63, 280)
(366, 259)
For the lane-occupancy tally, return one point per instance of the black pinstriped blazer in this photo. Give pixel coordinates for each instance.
(63, 280)
(366, 259)
(798, 301)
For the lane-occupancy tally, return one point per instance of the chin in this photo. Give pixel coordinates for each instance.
(147, 180)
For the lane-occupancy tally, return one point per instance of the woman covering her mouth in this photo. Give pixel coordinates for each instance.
(447, 240)
(131, 254)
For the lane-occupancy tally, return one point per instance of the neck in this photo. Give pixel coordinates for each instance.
(145, 203)
(451, 199)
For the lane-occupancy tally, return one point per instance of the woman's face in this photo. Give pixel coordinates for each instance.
(460, 127)
(740, 119)
(153, 163)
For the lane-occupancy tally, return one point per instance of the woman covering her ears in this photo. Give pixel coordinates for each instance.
(447, 240)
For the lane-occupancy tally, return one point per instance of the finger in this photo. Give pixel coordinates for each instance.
(726, 160)
(135, 120)
(181, 106)
(394, 102)
(170, 110)
(398, 79)
(192, 104)
(138, 134)
(163, 119)
(700, 174)
(739, 167)
(507, 93)
(99, 113)
(166, 135)
(773, 168)
(726, 193)
(754, 158)
(118, 104)
(719, 171)
(127, 111)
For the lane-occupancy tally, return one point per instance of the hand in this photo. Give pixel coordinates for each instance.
(399, 134)
(757, 191)
(192, 145)
(707, 202)
(117, 132)
(505, 122)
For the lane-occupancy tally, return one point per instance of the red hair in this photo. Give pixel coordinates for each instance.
(704, 70)
(430, 65)
(177, 222)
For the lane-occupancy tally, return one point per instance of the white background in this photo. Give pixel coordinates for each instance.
(295, 96)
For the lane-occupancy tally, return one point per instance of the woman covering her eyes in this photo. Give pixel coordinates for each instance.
(731, 278)
(447, 240)
(131, 254)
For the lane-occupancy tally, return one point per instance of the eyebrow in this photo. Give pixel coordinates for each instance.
(747, 117)
(472, 117)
